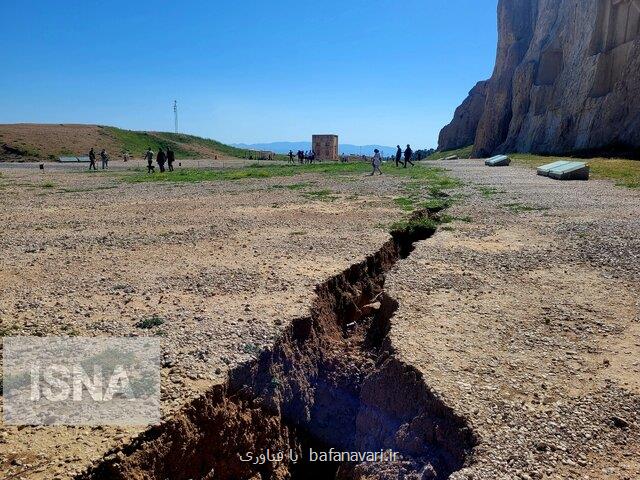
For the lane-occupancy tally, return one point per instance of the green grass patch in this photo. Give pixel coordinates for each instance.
(464, 152)
(489, 192)
(405, 203)
(47, 185)
(150, 322)
(414, 226)
(434, 177)
(624, 173)
(294, 186)
(325, 195)
(253, 171)
(520, 207)
(86, 189)
(301, 232)
(436, 204)
(425, 190)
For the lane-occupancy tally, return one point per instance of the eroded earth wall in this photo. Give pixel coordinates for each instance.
(566, 80)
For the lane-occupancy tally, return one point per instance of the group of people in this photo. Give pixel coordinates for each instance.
(303, 157)
(376, 160)
(162, 157)
(169, 158)
(408, 154)
(104, 157)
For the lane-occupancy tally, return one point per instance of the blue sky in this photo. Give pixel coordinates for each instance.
(371, 71)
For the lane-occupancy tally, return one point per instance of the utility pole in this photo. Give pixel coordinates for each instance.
(175, 114)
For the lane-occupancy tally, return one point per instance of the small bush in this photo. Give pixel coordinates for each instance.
(150, 322)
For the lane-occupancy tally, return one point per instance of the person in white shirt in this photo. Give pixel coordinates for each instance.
(376, 161)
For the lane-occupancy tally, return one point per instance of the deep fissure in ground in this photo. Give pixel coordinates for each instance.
(331, 380)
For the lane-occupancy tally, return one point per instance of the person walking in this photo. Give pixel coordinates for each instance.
(408, 153)
(105, 159)
(148, 156)
(398, 156)
(291, 156)
(161, 159)
(92, 159)
(171, 157)
(376, 161)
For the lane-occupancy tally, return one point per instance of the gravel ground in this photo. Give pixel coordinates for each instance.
(523, 314)
(224, 265)
(525, 319)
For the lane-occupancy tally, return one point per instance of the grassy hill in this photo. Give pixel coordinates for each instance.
(47, 142)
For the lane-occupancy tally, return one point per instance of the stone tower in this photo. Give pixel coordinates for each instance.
(325, 146)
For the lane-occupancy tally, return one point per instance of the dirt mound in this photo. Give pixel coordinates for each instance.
(38, 142)
(28, 142)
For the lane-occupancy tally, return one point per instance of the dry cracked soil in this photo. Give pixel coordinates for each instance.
(504, 346)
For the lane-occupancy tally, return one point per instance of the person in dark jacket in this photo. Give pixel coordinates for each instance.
(408, 153)
(291, 156)
(105, 159)
(92, 159)
(171, 157)
(398, 156)
(149, 158)
(161, 158)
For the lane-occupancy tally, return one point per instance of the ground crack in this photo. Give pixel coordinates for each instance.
(332, 380)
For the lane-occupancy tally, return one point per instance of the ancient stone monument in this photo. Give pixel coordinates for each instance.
(566, 79)
(325, 146)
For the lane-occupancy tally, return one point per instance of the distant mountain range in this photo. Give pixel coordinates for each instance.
(345, 148)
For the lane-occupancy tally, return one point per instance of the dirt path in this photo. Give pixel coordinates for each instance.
(526, 321)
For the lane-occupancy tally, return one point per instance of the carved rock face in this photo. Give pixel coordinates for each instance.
(567, 79)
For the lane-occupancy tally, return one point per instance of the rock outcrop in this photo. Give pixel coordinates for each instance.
(461, 132)
(566, 80)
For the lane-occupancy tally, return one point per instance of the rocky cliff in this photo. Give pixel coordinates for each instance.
(566, 80)
(461, 132)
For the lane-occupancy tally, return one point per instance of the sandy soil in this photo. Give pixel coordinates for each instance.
(526, 320)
